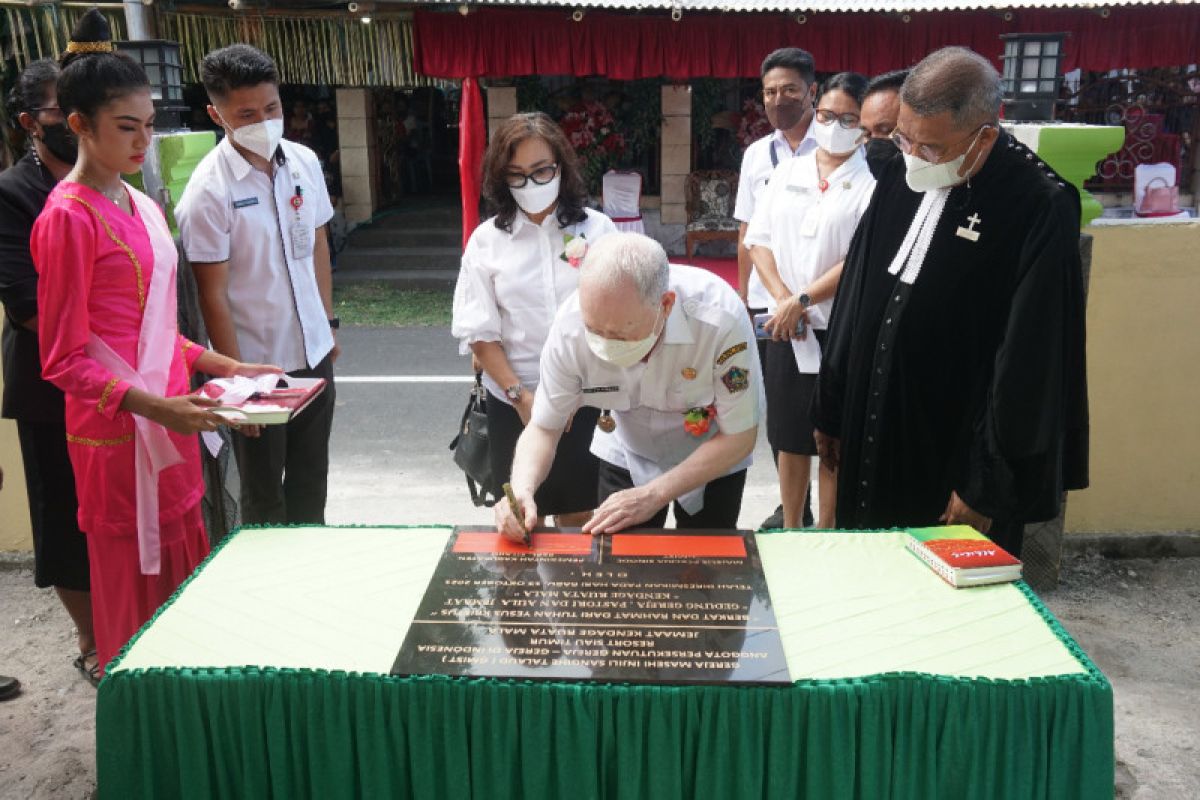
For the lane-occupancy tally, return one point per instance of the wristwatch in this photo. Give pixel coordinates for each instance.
(513, 392)
(804, 300)
(335, 323)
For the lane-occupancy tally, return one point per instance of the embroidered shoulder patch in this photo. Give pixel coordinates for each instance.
(731, 352)
(736, 379)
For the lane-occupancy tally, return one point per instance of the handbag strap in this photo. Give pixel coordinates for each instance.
(1150, 182)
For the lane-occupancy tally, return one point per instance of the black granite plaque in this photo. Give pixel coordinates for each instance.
(648, 606)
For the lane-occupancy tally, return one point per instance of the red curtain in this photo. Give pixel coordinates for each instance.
(472, 139)
(494, 42)
(506, 42)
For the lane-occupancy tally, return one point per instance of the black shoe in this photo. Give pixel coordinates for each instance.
(774, 521)
(9, 687)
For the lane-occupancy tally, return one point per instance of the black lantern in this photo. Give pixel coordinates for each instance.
(1032, 74)
(160, 60)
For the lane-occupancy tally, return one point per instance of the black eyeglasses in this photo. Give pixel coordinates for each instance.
(540, 176)
(849, 120)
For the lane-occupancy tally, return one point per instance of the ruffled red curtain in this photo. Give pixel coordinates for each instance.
(493, 42)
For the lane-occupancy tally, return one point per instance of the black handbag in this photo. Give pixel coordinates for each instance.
(471, 451)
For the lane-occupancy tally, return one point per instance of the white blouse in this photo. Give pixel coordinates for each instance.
(807, 230)
(511, 285)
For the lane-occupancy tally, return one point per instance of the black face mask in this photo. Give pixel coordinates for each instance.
(879, 152)
(787, 115)
(61, 143)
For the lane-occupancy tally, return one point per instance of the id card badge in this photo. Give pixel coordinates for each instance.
(302, 243)
(808, 228)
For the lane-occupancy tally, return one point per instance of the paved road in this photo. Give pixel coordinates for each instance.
(390, 462)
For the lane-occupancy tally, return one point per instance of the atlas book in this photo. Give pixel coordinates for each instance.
(963, 556)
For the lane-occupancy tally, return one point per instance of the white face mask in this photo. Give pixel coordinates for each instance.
(619, 352)
(260, 138)
(923, 176)
(835, 139)
(534, 199)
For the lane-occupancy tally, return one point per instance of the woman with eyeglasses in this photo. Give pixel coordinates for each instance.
(518, 268)
(799, 235)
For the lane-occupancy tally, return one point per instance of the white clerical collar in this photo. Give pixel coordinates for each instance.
(911, 255)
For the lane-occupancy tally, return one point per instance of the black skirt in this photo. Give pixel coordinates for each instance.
(572, 483)
(60, 556)
(789, 399)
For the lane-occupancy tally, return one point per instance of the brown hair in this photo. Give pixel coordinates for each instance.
(572, 194)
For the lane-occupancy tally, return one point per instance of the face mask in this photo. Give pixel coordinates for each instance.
(835, 139)
(260, 138)
(880, 150)
(787, 115)
(61, 143)
(619, 352)
(922, 176)
(534, 199)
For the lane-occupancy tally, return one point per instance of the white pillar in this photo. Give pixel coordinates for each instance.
(137, 21)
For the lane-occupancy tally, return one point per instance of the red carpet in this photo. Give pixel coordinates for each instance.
(724, 267)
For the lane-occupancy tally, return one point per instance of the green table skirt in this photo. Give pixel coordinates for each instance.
(213, 732)
(293, 734)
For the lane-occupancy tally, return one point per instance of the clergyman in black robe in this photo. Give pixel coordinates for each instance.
(954, 388)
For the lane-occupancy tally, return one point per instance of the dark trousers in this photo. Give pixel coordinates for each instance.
(722, 500)
(285, 469)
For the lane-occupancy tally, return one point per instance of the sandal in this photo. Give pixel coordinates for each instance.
(92, 671)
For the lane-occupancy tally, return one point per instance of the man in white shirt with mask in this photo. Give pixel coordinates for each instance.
(789, 92)
(252, 221)
(667, 353)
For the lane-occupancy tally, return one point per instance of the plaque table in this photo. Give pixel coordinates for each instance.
(266, 676)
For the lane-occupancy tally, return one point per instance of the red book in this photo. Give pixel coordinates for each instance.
(244, 404)
(963, 556)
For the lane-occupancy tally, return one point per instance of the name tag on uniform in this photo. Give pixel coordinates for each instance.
(808, 228)
(797, 188)
(245, 201)
(302, 243)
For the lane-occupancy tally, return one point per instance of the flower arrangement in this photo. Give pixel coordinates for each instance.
(753, 124)
(592, 131)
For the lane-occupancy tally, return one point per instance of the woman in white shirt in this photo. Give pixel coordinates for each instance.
(517, 269)
(799, 235)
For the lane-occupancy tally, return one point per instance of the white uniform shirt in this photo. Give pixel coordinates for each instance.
(511, 285)
(232, 212)
(706, 356)
(809, 231)
(757, 166)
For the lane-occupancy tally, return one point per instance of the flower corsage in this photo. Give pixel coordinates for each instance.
(575, 247)
(698, 420)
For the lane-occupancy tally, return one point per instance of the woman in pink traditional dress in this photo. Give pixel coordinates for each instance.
(109, 340)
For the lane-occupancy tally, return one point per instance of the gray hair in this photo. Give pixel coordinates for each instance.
(957, 80)
(620, 257)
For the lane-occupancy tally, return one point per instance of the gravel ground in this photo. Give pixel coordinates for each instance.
(1136, 618)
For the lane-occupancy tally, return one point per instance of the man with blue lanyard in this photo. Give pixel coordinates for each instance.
(789, 93)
